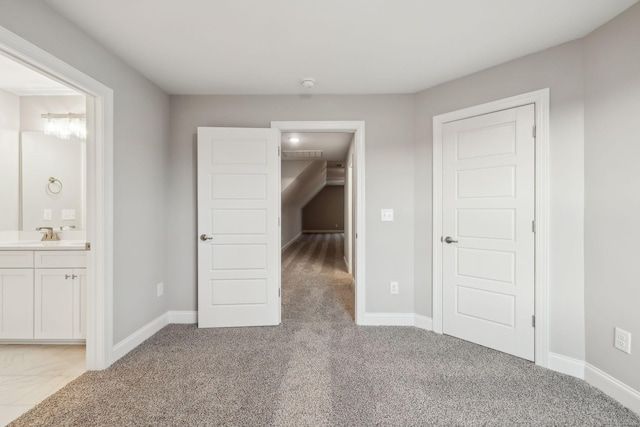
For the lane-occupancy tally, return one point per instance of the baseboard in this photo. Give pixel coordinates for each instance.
(423, 322)
(387, 319)
(621, 392)
(290, 242)
(183, 316)
(566, 365)
(139, 336)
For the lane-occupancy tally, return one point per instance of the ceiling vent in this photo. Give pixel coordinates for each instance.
(302, 154)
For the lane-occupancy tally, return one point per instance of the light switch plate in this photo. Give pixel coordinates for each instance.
(386, 214)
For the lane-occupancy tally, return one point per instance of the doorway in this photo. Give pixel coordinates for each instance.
(99, 184)
(358, 173)
(540, 133)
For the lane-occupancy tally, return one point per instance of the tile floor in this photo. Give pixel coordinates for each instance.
(30, 373)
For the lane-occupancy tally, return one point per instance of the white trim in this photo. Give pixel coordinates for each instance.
(566, 365)
(139, 336)
(292, 241)
(359, 137)
(540, 99)
(613, 387)
(183, 316)
(99, 190)
(387, 319)
(423, 322)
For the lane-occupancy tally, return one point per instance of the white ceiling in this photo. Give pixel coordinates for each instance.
(348, 46)
(334, 145)
(20, 80)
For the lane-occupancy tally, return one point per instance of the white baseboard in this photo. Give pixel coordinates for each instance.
(183, 316)
(290, 242)
(566, 365)
(423, 322)
(397, 319)
(621, 392)
(387, 319)
(139, 336)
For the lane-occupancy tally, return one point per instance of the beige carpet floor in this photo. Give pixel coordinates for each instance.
(319, 369)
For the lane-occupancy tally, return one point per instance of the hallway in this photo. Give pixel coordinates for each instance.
(316, 286)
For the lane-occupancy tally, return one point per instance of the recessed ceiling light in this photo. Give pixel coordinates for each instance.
(294, 140)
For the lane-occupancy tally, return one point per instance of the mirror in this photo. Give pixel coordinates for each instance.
(52, 173)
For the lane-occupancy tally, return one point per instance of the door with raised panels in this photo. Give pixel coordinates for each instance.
(488, 242)
(238, 227)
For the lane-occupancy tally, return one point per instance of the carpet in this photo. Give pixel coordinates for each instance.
(319, 369)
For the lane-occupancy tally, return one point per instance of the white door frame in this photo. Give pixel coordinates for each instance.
(99, 205)
(540, 99)
(358, 128)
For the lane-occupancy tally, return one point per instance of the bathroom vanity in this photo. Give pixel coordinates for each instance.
(42, 291)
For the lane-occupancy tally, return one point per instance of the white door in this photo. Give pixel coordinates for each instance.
(238, 227)
(488, 213)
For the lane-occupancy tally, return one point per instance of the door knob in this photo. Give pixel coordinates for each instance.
(204, 237)
(448, 239)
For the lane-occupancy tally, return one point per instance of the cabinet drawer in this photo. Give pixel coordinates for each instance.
(60, 259)
(16, 259)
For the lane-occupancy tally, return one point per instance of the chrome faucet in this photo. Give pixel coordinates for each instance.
(49, 234)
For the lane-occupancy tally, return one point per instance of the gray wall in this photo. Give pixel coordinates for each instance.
(612, 190)
(140, 158)
(389, 181)
(302, 189)
(559, 69)
(325, 212)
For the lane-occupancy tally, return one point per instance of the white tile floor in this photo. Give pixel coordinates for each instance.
(30, 373)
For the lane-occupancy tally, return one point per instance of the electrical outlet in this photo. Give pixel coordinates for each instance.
(160, 289)
(622, 340)
(393, 287)
(46, 215)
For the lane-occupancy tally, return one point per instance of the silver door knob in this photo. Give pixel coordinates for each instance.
(204, 237)
(448, 239)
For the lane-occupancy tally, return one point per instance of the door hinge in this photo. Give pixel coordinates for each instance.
(87, 246)
(533, 226)
(278, 292)
(534, 132)
(278, 221)
(533, 321)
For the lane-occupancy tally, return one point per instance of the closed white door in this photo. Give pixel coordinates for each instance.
(238, 227)
(488, 213)
(16, 303)
(53, 304)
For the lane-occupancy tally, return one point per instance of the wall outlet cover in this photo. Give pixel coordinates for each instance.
(46, 215)
(394, 288)
(160, 289)
(622, 340)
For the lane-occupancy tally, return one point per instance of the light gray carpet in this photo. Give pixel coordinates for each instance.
(319, 369)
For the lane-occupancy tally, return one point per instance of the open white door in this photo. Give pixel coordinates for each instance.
(488, 211)
(238, 227)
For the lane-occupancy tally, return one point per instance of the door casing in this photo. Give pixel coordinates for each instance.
(540, 99)
(357, 127)
(99, 202)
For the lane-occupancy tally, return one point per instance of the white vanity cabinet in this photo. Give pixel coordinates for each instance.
(16, 295)
(59, 292)
(45, 298)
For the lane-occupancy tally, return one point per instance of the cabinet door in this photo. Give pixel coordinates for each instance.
(16, 303)
(53, 304)
(79, 304)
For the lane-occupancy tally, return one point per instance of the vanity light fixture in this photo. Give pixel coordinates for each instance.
(294, 140)
(64, 126)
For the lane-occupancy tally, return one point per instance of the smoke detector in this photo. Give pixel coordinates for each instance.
(308, 82)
